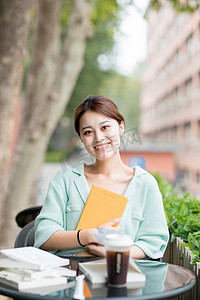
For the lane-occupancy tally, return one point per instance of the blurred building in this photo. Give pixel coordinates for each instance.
(151, 157)
(170, 102)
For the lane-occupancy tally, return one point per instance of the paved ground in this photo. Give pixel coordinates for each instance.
(3, 297)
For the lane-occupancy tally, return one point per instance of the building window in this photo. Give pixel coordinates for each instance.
(199, 79)
(182, 178)
(177, 55)
(199, 29)
(189, 42)
(186, 176)
(174, 133)
(176, 94)
(198, 178)
(188, 89)
(199, 129)
(187, 131)
(137, 161)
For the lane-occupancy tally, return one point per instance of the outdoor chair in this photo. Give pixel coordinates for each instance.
(26, 236)
(27, 215)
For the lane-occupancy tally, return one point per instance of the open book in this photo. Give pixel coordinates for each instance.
(101, 206)
(96, 272)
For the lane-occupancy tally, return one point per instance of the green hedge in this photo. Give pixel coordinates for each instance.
(57, 156)
(183, 216)
(54, 157)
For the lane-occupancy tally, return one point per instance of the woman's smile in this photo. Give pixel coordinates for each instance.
(102, 146)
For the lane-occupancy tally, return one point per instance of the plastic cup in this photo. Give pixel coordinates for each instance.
(117, 257)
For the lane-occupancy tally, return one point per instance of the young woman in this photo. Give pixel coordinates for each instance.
(99, 125)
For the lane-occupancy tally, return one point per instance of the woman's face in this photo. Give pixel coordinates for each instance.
(100, 134)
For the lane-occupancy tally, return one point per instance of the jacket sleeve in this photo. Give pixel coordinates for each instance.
(152, 235)
(52, 216)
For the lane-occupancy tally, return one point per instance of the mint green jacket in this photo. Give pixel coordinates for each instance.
(143, 218)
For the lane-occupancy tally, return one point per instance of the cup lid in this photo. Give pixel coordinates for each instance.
(119, 240)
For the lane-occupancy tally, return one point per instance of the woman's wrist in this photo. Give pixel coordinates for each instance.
(86, 237)
(78, 239)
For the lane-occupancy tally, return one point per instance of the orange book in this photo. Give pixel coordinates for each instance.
(101, 206)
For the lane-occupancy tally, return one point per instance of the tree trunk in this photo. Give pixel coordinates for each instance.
(50, 84)
(14, 23)
(32, 153)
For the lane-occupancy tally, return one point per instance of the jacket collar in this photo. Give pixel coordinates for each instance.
(78, 168)
(139, 171)
(80, 181)
(82, 184)
(135, 182)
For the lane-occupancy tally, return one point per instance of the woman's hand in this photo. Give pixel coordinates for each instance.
(96, 249)
(99, 250)
(112, 225)
(87, 237)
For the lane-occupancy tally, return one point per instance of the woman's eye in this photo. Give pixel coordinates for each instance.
(87, 132)
(105, 127)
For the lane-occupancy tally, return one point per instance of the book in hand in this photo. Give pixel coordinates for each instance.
(96, 272)
(31, 258)
(101, 207)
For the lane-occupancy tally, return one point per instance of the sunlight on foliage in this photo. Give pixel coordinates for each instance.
(183, 216)
(178, 5)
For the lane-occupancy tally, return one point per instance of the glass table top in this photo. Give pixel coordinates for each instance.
(162, 280)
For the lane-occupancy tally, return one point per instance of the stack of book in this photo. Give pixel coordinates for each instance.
(33, 270)
(96, 272)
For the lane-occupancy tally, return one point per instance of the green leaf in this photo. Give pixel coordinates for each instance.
(195, 260)
(182, 214)
(178, 5)
(183, 211)
(184, 245)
